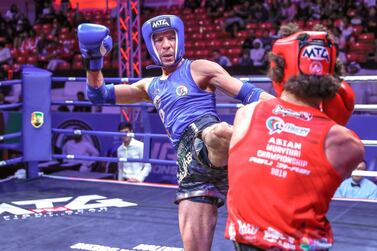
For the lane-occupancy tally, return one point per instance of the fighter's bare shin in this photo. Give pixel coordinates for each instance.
(217, 139)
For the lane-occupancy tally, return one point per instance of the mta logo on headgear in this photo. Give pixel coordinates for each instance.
(316, 53)
(164, 22)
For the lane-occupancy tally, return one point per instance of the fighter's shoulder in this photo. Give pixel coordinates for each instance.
(342, 136)
(143, 83)
(204, 65)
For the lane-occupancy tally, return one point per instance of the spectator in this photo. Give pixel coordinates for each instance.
(259, 12)
(220, 59)
(85, 108)
(29, 44)
(233, 23)
(258, 53)
(346, 29)
(12, 14)
(131, 148)
(77, 145)
(214, 8)
(245, 59)
(192, 4)
(357, 186)
(42, 45)
(248, 42)
(5, 58)
(64, 5)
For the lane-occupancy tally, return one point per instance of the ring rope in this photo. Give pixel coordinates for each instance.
(358, 107)
(83, 79)
(106, 133)
(10, 82)
(364, 173)
(10, 136)
(7, 106)
(113, 159)
(369, 142)
(254, 79)
(11, 161)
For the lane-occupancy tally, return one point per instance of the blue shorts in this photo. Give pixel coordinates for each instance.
(197, 180)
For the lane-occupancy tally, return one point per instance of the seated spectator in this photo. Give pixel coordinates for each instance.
(5, 58)
(12, 14)
(192, 4)
(220, 59)
(245, 59)
(30, 42)
(346, 29)
(131, 148)
(248, 42)
(42, 46)
(214, 8)
(48, 12)
(258, 53)
(259, 13)
(77, 145)
(85, 108)
(233, 23)
(357, 186)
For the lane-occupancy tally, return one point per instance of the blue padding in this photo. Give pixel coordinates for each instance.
(101, 95)
(248, 93)
(36, 118)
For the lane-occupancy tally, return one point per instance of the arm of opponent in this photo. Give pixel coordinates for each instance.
(207, 73)
(343, 150)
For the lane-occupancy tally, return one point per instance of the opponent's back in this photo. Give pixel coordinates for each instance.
(287, 181)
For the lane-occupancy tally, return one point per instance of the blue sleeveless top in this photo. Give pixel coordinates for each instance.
(179, 101)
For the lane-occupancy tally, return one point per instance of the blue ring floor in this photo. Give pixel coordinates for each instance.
(55, 214)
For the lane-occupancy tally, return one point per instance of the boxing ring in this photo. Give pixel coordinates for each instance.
(49, 212)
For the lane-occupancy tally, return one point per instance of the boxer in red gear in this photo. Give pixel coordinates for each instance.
(287, 158)
(340, 107)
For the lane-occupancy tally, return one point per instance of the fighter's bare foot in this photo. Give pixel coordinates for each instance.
(217, 139)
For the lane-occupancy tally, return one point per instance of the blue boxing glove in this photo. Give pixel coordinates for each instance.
(94, 43)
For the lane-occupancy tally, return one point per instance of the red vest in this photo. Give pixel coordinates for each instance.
(280, 181)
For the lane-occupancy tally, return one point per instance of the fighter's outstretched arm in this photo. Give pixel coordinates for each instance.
(95, 43)
(207, 73)
(118, 94)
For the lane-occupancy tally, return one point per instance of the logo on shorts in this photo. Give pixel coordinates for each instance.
(163, 22)
(181, 90)
(37, 119)
(277, 125)
(232, 231)
(289, 112)
(162, 115)
(157, 101)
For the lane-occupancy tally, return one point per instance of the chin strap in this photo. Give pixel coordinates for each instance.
(154, 66)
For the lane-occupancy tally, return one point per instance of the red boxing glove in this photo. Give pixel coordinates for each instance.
(340, 107)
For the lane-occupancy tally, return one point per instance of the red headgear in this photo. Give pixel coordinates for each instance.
(305, 52)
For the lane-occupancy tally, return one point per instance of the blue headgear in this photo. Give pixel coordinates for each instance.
(163, 23)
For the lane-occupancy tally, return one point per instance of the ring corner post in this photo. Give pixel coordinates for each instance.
(36, 118)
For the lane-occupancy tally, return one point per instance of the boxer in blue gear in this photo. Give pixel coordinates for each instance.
(184, 96)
